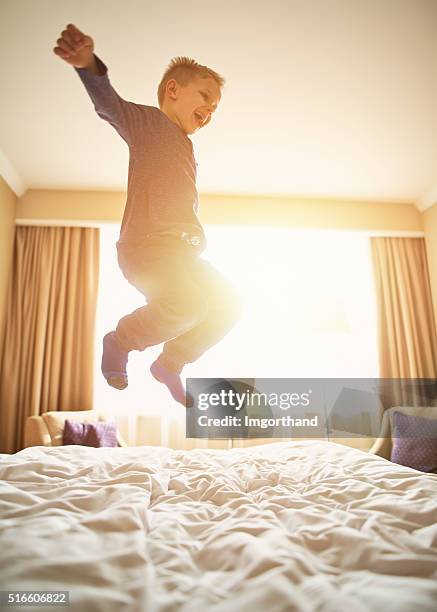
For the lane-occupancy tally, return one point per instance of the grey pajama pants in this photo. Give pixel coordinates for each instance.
(189, 306)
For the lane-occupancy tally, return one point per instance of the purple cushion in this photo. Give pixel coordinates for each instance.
(103, 433)
(415, 442)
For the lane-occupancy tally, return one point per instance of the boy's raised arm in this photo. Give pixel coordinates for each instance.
(77, 49)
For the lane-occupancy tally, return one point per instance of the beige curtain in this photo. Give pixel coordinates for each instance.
(406, 328)
(47, 352)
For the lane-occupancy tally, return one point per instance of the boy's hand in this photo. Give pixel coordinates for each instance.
(75, 47)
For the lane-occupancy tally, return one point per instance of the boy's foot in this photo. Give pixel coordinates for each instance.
(173, 382)
(114, 362)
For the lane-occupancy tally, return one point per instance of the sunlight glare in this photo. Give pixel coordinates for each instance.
(309, 310)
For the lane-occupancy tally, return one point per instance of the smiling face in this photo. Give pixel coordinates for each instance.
(191, 106)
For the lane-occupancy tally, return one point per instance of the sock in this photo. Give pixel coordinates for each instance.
(114, 362)
(173, 382)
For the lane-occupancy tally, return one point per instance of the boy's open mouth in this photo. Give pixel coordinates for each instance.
(199, 118)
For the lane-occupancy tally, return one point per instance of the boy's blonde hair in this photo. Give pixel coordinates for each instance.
(184, 70)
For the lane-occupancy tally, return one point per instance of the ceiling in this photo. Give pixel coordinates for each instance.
(323, 98)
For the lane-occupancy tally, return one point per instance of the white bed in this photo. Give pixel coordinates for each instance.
(308, 525)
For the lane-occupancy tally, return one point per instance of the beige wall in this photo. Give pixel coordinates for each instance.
(48, 205)
(430, 227)
(8, 201)
(98, 206)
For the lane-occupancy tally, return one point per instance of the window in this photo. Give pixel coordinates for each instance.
(308, 311)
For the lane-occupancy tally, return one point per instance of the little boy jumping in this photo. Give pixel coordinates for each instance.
(189, 305)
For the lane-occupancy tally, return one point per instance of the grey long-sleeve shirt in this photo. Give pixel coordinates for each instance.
(161, 192)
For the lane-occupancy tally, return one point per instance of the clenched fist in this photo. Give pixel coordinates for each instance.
(75, 47)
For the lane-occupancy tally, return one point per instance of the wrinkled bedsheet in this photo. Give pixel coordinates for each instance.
(305, 525)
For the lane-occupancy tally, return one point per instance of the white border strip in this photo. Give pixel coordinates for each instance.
(90, 223)
(64, 222)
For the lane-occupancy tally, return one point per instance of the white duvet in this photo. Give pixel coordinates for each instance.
(307, 525)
